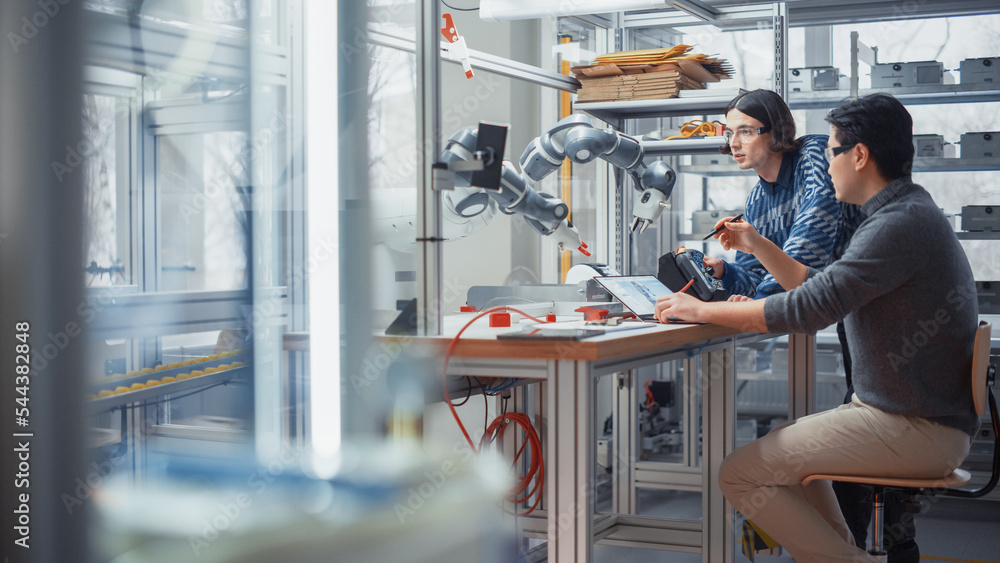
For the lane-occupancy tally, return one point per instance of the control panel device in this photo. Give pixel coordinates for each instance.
(677, 268)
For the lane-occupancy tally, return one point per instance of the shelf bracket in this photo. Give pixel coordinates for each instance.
(697, 9)
(779, 20)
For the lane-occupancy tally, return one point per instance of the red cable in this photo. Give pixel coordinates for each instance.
(451, 349)
(649, 394)
(687, 286)
(536, 470)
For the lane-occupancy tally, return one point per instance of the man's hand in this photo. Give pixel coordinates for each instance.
(740, 236)
(744, 314)
(680, 305)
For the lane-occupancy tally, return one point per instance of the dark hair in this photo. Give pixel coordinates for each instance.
(768, 108)
(882, 123)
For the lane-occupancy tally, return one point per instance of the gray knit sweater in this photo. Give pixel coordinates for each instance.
(906, 293)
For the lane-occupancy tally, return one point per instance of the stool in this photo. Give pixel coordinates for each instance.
(983, 376)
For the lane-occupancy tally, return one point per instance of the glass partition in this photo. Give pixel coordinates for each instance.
(186, 223)
(107, 127)
(204, 190)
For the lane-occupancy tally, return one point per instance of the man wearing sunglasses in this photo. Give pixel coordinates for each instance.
(904, 278)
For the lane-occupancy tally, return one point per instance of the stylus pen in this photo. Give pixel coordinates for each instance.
(723, 226)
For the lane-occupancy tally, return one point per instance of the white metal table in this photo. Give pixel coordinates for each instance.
(567, 372)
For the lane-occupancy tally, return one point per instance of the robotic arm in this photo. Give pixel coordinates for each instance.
(576, 138)
(545, 213)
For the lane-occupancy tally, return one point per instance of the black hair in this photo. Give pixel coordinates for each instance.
(768, 108)
(884, 126)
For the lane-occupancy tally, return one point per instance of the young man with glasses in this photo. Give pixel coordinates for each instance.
(793, 204)
(904, 278)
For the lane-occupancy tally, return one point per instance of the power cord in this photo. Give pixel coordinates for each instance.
(494, 431)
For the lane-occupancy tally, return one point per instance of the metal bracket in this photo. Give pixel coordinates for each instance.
(779, 19)
(444, 172)
(860, 53)
(697, 9)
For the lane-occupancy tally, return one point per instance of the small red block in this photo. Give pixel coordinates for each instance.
(499, 319)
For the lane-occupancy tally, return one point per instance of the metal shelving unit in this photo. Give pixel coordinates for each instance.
(731, 16)
(938, 164)
(669, 107)
(915, 95)
(700, 145)
(920, 164)
(978, 235)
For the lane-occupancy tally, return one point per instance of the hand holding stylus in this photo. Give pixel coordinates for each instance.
(740, 236)
(722, 226)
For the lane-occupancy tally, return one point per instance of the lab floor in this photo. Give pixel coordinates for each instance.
(957, 530)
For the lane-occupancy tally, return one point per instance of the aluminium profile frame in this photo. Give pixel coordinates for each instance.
(482, 61)
(428, 110)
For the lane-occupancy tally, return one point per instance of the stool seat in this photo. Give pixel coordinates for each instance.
(957, 478)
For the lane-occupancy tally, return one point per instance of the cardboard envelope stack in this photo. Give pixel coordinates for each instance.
(647, 74)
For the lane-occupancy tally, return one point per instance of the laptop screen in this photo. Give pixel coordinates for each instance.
(637, 293)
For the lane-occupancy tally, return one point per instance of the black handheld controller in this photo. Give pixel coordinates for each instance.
(677, 268)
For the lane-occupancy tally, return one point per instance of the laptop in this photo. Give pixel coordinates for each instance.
(637, 293)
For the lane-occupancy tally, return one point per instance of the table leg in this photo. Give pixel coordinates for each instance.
(570, 465)
(718, 414)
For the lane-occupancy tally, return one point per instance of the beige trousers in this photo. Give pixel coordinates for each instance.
(763, 479)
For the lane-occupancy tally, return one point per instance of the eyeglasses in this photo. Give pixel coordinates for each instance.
(744, 133)
(834, 151)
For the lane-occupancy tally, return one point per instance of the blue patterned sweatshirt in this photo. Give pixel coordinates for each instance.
(798, 212)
